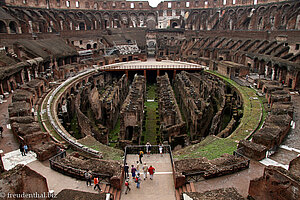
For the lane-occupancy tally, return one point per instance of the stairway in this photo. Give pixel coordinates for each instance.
(189, 187)
(108, 189)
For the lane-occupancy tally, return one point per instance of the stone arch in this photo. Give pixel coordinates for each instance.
(141, 18)
(95, 46)
(13, 27)
(125, 19)
(2, 27)
(116, 20)
(107, 20)
(174, 24)
(96, 6)
(151, 20)
(133, 20)
(81, 26)
(88, 46)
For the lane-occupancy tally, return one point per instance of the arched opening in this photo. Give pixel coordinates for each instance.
(88, 46)
(2, 27)
(174, 25)
(13, 27)
(81, 26)
(95, 46)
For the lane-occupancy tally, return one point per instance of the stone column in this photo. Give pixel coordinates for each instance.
(145, 73)
(273, 74)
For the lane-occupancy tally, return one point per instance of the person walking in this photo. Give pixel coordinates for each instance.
(21, 147)
(138, 180)
(148, 148)
(96, 183)
(88, 177)
(151, 171)
(160, 147)
(141, 154)
(25, 149)
(127, 186)
(138, 166)
(133, 170)
(126, 170)
(145, 170)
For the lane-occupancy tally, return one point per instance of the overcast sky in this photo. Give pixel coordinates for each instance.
(154, 3)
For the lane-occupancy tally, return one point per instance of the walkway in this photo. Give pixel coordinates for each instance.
(8, 143)
(152, 64)
(57, 181)
(14, 158)
(162, 185)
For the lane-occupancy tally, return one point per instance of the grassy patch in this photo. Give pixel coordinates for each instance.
(114, 134)
(150, 123)
(212, 147)
(109, 153)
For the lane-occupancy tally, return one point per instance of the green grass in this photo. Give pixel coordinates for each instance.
(74, 127)
(150, 124)
(114, 134)
(109, 153)
(213, 147)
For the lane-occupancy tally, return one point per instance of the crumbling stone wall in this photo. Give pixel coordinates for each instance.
(21, 179)
(23, 124)
(75, 165)
(276, 126)
(172, 124)
(132, 111)
(111, 100)
(197, 111)
(223, 193)
(276, 183)
(226, 164)
(204, 99)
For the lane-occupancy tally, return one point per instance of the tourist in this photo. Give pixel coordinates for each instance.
(1, 131)
(133, 170)
(25, 149)
(138, 180)
(148, 148)
(126, 170)
(151, 171)
(127, 186)
(88, 177)
(96, 183)
(22, 149)
(141, 154)
(138, 166)
(145, 170)
(161, 147)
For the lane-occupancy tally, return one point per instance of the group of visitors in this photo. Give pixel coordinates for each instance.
(136, 174)
(89, 177)
(23, 149)
(148, 150)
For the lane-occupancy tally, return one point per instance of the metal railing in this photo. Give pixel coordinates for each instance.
(56, 165)
(135, 149)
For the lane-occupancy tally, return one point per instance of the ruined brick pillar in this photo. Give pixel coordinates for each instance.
(126, 72)
(1, 165)
(145, 74)
(157, 73)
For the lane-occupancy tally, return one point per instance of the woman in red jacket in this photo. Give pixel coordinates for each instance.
(151, 171)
